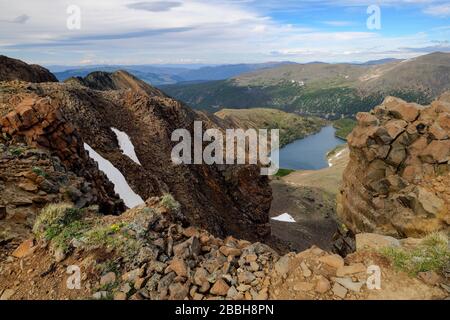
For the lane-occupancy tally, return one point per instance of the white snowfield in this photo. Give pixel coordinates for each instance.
(285, 217)
(121, 186)
(126, 145)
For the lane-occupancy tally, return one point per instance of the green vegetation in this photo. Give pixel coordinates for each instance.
(53, 218)
(344, 127)
(283, 172)
(16, 151)
(72, 231)
(168, 202)
(329, 91)
(40, 172)
(101, 236)
(432, 254)
(59, 224)
(320, 98)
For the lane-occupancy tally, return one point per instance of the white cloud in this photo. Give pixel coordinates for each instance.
(206, 31)
(439, 10)
(154, 6)
(337, 23)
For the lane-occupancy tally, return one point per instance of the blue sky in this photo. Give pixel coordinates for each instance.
(220, 31)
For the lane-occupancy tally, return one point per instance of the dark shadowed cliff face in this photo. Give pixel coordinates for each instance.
(398, 178)
(12, 69)
(223, 199)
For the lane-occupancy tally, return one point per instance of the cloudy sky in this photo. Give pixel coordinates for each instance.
(220, 31)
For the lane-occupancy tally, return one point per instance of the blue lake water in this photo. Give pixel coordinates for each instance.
(310, 153)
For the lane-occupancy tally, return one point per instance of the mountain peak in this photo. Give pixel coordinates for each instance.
(118, 80)
(13, 69)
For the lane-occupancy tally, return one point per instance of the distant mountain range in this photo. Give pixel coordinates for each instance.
(327, 90)
(172, 74)
(159, 75)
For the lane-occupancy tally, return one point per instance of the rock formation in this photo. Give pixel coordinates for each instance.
(12, 69)
(119, 80)
(60, 117)
(398, 178)
(39, 123)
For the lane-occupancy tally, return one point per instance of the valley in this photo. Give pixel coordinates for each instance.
(292, 127)
(321, 89)
(309, 197)
(87, 180)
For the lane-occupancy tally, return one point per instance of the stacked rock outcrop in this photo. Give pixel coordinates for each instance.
(39, 123)
(397, 181)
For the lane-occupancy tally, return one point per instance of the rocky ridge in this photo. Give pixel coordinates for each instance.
(119, 80)
(12, 69)
(146, 253)
(148, 117)
(396, 182)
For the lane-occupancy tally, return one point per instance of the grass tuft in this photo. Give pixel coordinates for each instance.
(432, 254)
(53, 218)
(169, 202)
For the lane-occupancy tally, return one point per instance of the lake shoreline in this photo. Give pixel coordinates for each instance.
(311, 152)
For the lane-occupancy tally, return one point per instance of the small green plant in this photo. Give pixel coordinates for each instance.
(112, 236)
(104, 236)
(73, 231)
(39, 172)
(432, 254)
(115, 227)
(17, 151)
(53, 218)
(169, 202)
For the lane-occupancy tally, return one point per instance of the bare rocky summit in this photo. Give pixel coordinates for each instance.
(119, 80)
(398, 178)
(12, 69)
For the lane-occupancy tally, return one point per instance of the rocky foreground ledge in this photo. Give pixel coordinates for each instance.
(146, 253)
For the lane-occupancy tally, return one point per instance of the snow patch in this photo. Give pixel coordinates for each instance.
(285, 217)
(335, 157)
(121, 187)
(126, 145)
